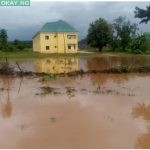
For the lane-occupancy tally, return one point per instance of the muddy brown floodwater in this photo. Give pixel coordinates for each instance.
(89, 111)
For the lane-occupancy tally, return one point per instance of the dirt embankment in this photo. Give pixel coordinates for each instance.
(7, 69)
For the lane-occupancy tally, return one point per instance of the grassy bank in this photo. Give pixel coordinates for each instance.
(30, 54)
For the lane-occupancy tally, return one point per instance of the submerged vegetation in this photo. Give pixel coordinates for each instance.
(71, 91)
(48, 90)
(7, 69)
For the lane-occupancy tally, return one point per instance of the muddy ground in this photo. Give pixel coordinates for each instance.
(90, 111)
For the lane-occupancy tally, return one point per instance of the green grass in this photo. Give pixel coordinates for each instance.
(147, 52)
(30, 54)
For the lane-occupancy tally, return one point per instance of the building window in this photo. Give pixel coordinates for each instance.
(71, 36)
(71, 46)
(46, 37)
(47, 47)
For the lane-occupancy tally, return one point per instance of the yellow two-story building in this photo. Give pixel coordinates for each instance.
(56, 37)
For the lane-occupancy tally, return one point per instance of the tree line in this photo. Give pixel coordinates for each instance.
(121, 35)
(15, 45)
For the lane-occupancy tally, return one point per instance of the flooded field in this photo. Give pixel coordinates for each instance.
(90, 111)
(62, 65)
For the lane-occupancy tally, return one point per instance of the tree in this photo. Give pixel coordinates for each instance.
(123, 31)
(18, 44)
(143, 14)
(147, 34)
(138, 45)
(99, 33)
(3, 38)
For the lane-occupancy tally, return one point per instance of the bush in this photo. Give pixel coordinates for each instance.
(147, 43)
(19, 45)
(138, 44)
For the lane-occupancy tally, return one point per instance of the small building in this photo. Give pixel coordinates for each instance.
(56, 37)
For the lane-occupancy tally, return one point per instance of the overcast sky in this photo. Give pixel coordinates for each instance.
(23, 22)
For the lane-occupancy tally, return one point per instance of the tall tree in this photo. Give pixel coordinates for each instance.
(123, 31)
(3, 38)
(143, 14)
(99, 33)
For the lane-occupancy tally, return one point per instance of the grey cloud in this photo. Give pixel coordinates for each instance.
(24, 22)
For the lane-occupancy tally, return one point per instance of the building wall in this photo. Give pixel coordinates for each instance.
(57, 42)
(52, 42)
(36, 43)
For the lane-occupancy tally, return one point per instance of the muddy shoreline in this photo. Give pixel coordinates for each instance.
(8, 70)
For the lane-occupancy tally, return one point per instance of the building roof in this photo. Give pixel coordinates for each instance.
(58, 26)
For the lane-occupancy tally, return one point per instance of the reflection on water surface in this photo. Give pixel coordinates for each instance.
(56, 65)
(70, 64)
